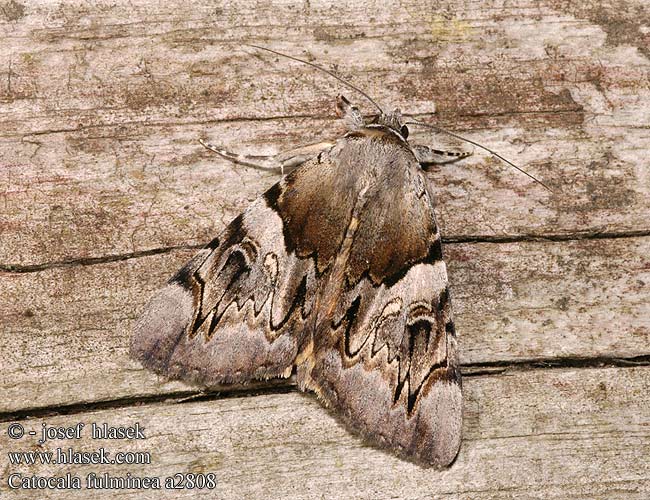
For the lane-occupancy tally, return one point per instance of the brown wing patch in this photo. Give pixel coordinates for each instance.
(315, 203)
(398, 226)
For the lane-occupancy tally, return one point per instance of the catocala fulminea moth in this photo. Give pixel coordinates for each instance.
(336, 272)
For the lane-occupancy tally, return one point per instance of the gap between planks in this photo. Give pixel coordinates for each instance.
(558, 237)
(283, 386)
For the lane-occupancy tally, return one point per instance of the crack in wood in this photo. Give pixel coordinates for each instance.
(451, 240)
(283, 386)
(270, 118)
(582, 235)
(91, 261)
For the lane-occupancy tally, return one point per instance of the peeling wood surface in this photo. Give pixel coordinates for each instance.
(104, 191)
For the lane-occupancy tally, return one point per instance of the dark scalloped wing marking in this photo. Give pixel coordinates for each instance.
(413, 329)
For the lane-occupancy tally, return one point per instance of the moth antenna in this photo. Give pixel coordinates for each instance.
(332, 74)
(494, 153)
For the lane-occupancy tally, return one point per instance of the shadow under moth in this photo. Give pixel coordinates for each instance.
(335, 272)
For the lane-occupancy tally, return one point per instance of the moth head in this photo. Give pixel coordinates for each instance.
(394, 121)
(354, 120)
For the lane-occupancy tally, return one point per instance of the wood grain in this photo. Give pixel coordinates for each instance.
(70, 326)
(102, 154)
(534, 434)
(105, 191)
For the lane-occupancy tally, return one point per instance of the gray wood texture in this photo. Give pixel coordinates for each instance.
(105, 192)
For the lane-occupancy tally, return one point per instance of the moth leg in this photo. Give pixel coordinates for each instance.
(296, 157)
(276, 163)
(430, 156)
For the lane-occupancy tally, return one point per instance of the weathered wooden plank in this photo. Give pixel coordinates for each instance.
(101, 154)
(100, 109)
(170, 58)
(151, 189)
(70, 327)
(534, 434)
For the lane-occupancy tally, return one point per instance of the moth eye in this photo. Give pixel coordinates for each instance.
(404, 131)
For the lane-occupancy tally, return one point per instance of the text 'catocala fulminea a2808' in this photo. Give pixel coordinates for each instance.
(335, 272)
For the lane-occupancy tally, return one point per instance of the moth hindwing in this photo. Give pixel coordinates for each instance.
(336, 272)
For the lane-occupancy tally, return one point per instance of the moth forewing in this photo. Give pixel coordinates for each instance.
(337, 272)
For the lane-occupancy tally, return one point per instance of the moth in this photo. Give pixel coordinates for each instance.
(335, 273)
